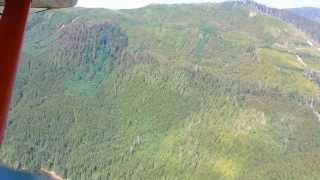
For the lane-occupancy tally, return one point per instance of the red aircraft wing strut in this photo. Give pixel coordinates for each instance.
(12, 26)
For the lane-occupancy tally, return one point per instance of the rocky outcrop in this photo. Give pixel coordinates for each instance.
(312, 75)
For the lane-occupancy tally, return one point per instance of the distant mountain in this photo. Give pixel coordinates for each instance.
(191, 91)
(305, 22)
(308, 12)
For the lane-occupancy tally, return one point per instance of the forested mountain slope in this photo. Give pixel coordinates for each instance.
(304, 22)
(308, 12)
(198, 91)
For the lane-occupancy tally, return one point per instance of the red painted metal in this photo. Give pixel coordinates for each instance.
(12, 26)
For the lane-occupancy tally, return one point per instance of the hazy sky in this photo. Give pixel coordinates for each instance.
(127, 4)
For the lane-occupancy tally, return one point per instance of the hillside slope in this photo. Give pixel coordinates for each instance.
(198, 91)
